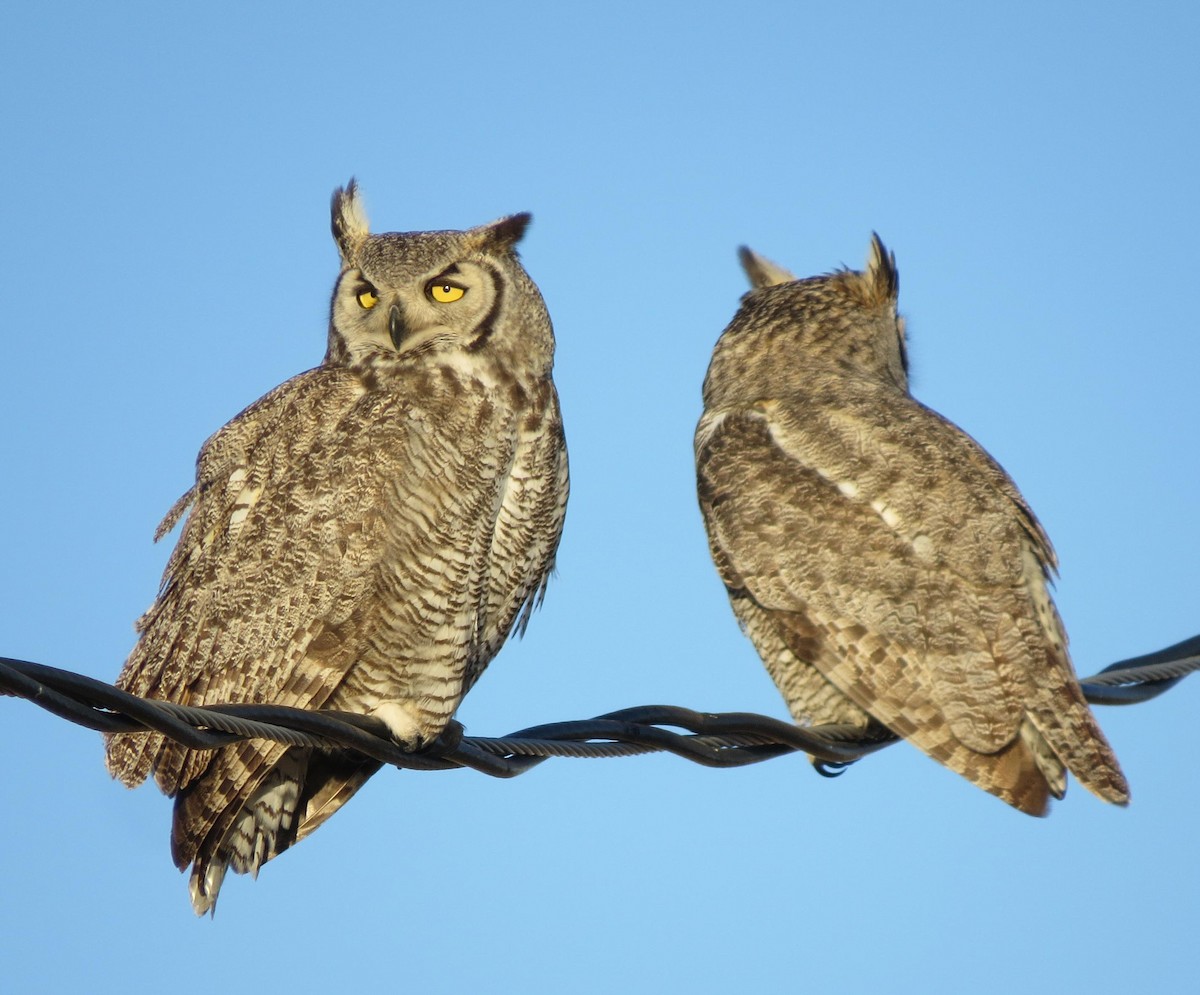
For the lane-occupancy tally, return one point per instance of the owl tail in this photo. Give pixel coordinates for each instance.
(1032, 768)
(1015, 774)
(1071, 735)
(214, 832)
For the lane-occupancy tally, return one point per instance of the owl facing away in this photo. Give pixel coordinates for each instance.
(363, 538)
(885, 567)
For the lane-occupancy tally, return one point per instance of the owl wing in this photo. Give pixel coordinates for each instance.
(277, 550)
(529, 521)
(898, 560)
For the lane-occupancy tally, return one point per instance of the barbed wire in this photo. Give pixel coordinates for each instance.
(714, 739)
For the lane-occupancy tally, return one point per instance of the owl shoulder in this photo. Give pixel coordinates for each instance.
(236, 444)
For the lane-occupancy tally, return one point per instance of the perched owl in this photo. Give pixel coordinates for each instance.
(363, 538)
(886, 568)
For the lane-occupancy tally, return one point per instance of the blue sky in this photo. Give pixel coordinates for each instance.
(167, 260)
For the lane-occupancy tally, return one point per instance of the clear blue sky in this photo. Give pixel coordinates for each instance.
(167, 260)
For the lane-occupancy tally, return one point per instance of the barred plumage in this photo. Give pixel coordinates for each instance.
(886, 568)
(363, 538)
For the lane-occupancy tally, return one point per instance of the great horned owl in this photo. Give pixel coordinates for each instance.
(363, 538)
(886, 568)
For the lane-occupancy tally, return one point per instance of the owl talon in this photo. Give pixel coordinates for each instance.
(831, 768)
(448, 741)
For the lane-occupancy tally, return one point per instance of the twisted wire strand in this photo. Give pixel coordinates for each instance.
(1140, 678)
(726, 739)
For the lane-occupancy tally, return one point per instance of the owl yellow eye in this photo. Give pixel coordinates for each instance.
(445, 293)
(367, 300)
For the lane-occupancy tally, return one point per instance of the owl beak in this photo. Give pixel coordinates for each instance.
(396, 326)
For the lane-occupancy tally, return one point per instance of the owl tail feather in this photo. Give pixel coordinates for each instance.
(1075, 738)
(1032, 769)
(1014, 775)
(296, 795)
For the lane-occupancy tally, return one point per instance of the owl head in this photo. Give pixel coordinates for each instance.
(845, 319)
(412, 297)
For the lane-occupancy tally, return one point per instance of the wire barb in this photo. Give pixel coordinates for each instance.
(725, 739)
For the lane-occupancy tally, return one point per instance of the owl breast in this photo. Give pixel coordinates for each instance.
(471, 518)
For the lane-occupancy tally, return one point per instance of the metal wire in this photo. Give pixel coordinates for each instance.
(728, 739)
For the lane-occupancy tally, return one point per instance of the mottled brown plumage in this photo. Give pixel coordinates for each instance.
(363, 538)
(886, 569)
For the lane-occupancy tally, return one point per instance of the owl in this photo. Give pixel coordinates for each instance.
(887, 570)
(363, 538)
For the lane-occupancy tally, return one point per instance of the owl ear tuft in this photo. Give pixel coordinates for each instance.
(505, 232)
(348, 220)
(882, 276)
(761, 271)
